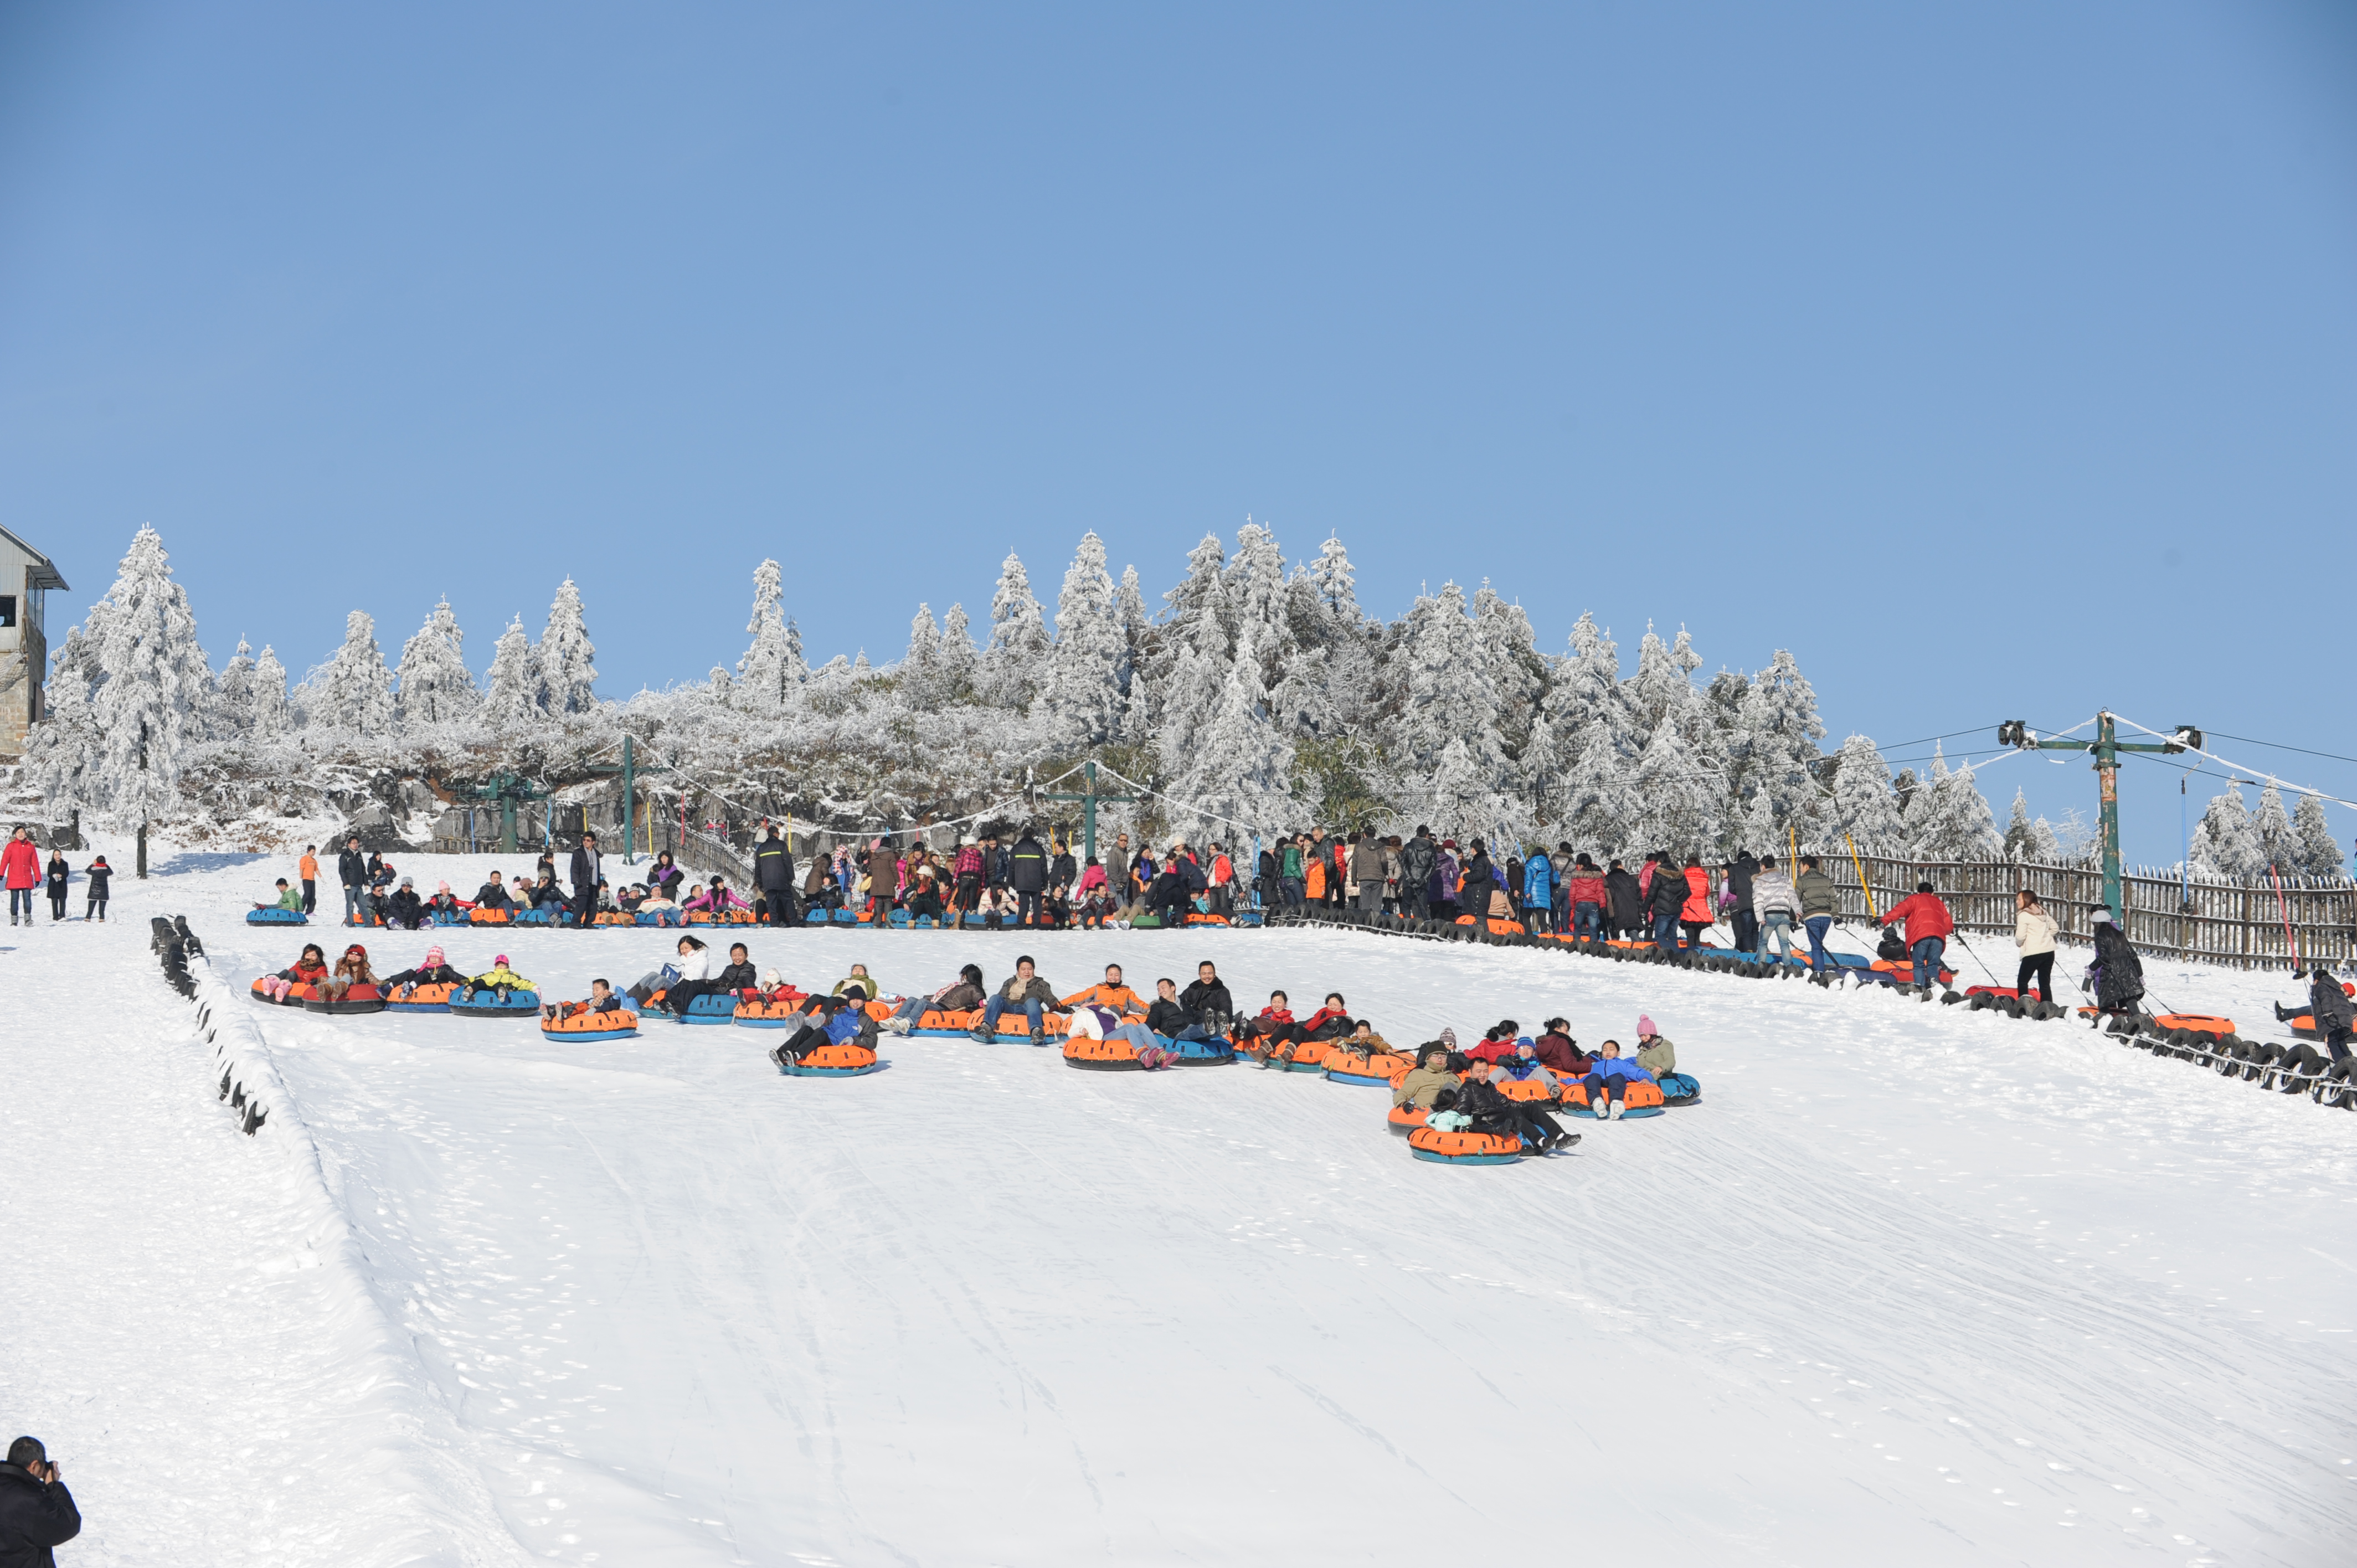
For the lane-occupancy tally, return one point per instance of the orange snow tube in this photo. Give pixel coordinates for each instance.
(2197, 1023)
(1638, 1096)
(1507, 928)
(1464, 1148)
(1386, 1067)
(614, 917)
(592, 1025)
(1532, 1090)
(775, 1010)
(1102, 1055)
(436, 994)
(489, 917)
(1406, 1119)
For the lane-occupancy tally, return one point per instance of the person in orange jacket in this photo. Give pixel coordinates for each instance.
(1112, 994)
(306, 871)
(1929, 926)
(1697, 916)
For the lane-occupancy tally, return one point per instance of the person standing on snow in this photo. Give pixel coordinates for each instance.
(59, 874)
(308, 870)
(773, 877)
(20, 869)
(2117, 974)
(37, 1512)
(1367, 872)
(1929, 926)
(2330, 1008)
(1026, 873)
(2033, 938)
(1538, 891)
(1774, 903)
(97, 874)
(352, 870)
(1740, 873)
(1817, 910)
(583, 873)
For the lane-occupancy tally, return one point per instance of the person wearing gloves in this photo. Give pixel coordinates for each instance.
(1024, 989)
(1422, 1086)
(962, 994)
(2331, 1011)
(1929, 926)
(1608, 1082)
(499, 978)
(2116, 976)
(1655, 1055)
(432, 970)
(1818, 907)
(1775, 903)
(2033, 936)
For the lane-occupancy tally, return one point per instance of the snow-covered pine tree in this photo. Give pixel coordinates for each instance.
(1863, 806)
(1954, 822)
(1188, 697)
(353, 691)
(2271, 825)
(63, 751)
(1238, 763)
(2020, 833)
(436, 686)
(567, 659)
(1451, 696)
(1129, 610)
(271, 714)
(920, 665)
(957, 664)
(1253, 600)
(152, 689)
(1680, 793)
(513, 702)
(1781, 730)
(774, 666)
(233, 694)
(1018, 648)
(1517, 674)
(1664, 681)
(1190, 622)
(1082, 692)
(2224, 842)
(1337, 582)
(2319, 851)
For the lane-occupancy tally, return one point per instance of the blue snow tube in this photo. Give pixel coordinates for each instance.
(974, 918)
(846, 916)
(713, 1007)
(1217, 1051)
(450, 917)
(658, 916)
(1680, 1088)
(815, 918)
(468, 1002)
(276, 917)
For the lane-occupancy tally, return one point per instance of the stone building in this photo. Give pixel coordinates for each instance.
(26, 575)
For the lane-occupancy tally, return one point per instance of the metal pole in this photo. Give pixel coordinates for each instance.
(507, 821)
(1089, 812)
(2108, 766)
(629, 815)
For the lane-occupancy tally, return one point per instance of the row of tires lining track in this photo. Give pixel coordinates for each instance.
(2296, 1067)
(249, 1085)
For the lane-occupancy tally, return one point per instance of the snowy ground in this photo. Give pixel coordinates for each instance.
(1911, 1286)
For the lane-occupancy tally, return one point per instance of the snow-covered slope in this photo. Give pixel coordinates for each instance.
(1911, 1286)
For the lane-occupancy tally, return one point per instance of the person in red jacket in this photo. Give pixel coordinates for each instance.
(20, 868)
(1929, 926)
(1589, 900)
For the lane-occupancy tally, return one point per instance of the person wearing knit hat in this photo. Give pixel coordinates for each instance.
(432, 970)
(1645, 1029)
(1655, 1054)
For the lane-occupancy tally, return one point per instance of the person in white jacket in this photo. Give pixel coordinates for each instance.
(2033, 936)
(1776, 905)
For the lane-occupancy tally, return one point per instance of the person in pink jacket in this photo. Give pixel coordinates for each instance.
(20, 868)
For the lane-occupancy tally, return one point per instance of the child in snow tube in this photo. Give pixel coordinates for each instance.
(432, 970)
(297, 982)
(1657, 1056)
(285, 909)
(1366, 1057)
(351, 988)
(499, 980)
(827, 1021)
(1608, 1085)
(602, 1016)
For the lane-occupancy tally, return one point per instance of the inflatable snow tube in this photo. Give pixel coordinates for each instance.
(815, 918)
(846, 1060)
(1535, 1089)
(711, 1007)
(358, 999)
(939, 1026)
(415, 998)
(468, 1002)
(1102, 1055)
(655, 917)
(1378, 1070)
(448, 918)
(584, 1028)
(276, 918)
(1680, 1088)
(845, 918)
(776, 1012)
(296, 995)
(726, 917)
(1308, 1056)
(1406, 1119)
(1214, 1052)
(2196, 1024)
(614, 917)
(533, 917)
(1463, 1148)
(1199, 918)
(490, 918)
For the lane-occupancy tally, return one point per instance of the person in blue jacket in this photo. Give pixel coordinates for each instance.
(1608, 1082)
(1538, 892)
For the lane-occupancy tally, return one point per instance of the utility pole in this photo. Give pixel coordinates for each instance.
(2107, 747)
(1088, 800)
(142, 808)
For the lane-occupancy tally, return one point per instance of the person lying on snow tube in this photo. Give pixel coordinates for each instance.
(434, 970)
(1492, 1112)
(827, 1021)
(1328, 1024)
(1425, 1082)
(962, 994)
(351, 970)
(405, 908)
(501, 980)
(1169, 1017)
(1558, 1052)
(1498, 1042)
(697, 978)
(1024, 989)
(1112, 993)
(1093, 1023)
(602, 999)
(309, 970)
(493, 895)
(1607, 1083)
(1363, 1039)
(861, 981)
(287, 899)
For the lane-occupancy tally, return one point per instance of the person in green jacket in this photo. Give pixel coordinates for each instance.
(1817, 907)
(1289, 875)
(1655, 1052)
(287, 899)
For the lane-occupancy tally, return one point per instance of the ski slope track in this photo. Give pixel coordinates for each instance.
(1912, 1284)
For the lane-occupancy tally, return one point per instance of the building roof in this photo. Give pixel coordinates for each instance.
(45, 571)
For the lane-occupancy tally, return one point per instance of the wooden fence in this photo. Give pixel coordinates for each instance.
(2236, 924)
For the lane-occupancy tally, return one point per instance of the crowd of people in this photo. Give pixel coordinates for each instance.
(23, 873)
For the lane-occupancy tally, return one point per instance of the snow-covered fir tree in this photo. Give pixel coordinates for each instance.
(233, 693)
(920, 664)
(773, 665)
(2271, 825)
(1451, 700)
(1237, 772)
(1190, 623)
(2223, 841)
(2319, 852)
(1129, 611)
(353, 691)
(1863, 806)
(957, 664)
(2028, 840)
(1080, 695)
(1951, 821)
(62, 752)
(568, 671)
(436, 686)
(513, 699)
(151, 689)
(271, 716)
(1780, 756)
(1017, 657)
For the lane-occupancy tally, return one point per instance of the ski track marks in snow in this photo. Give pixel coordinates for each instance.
(1912, 1284)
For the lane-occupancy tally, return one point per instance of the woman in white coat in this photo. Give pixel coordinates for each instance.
(2033, 935)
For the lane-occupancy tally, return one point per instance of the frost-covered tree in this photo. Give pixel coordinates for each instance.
(1253, 600)
(1081, 692)
(2223, 841)
(62, 753)
(1190, 623)
(436, 686)
(1451, 699)
(920, 664)
(774, 666)
(233, 693)
(1238, 763)
(568, 671)
(2271, 825)
(1017, 654)
(1129, 609)
(1778, 754)
(2319, 853)
(1663, 683)
(1952, 820)
(145, 687)
(1863, 806)
(1679, 792)
(271, 714)
(353, 691)
(1511, 664)
(513, 702)
(2030, 840)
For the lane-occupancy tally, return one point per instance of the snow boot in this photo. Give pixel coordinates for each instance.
(980, 1035)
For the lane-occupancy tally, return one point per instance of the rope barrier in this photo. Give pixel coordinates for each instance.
(2238, 767)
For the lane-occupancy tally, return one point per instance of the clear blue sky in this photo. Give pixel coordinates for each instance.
(1999, 360)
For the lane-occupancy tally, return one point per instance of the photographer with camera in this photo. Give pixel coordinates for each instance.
(37, 1512)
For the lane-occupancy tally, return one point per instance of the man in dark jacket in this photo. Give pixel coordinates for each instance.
(1666, 898)
(493, 895)
(1024, 991)
(773, 877)
(352, 869)
(1207, 1001)
(37, 1512)
(583, 873)
(1367, 871)
(1416, 870)
(1740, 873)
(1625, 905)
(1063, 869)
(1026, 873)
(2331, 1011)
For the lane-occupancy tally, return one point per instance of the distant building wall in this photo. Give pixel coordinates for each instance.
(26, 576)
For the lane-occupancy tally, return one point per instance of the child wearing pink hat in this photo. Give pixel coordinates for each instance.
(1655, 1053)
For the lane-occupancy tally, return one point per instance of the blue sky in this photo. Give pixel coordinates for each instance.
(2000, 360)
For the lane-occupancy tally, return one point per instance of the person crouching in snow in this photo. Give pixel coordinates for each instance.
(1607, 1083)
